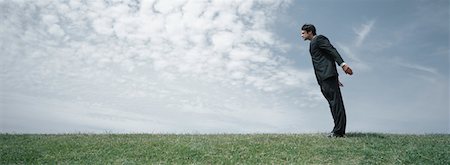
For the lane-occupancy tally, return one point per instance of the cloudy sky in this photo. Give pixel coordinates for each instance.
(202, 66)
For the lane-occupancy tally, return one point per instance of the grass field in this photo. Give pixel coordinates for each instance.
(357, 148)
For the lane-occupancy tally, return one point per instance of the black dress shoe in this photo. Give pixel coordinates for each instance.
(335, 135)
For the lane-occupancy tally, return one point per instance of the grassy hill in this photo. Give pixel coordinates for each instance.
(357, 148)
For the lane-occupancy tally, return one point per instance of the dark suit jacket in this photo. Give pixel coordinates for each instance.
(324, 55)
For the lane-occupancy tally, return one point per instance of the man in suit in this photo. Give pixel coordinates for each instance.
(324, 55)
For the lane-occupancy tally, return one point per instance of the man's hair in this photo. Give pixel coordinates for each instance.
(309, 28)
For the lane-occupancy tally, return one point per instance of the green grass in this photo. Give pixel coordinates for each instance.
(357, 148)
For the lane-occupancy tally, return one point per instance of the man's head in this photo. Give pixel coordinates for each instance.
(308, 31)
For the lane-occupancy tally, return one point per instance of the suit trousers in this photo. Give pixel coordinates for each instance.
(330, 89)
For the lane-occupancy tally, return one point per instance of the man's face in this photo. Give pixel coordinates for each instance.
(307, 35)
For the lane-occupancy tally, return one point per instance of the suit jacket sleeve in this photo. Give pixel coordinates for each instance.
(325, 45)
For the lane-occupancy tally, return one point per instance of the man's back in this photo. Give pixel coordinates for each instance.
(324, 56)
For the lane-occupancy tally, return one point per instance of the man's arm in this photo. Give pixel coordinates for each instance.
(325, 44)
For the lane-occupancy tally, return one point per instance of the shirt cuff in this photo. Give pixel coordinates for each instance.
(342, 65)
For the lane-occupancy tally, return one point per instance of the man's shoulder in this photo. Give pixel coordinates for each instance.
(320, 36)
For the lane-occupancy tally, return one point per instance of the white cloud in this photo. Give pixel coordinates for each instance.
(75, 4)
(50, 19)
(354, 55)
(166, 7)
(223, 41)
(363, 31)
(426, 73)
(355, 51)
(56, 30)
(103, 26)
(421, 68)
(171, 60)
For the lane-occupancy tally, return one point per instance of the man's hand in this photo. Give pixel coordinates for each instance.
(347, 69)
